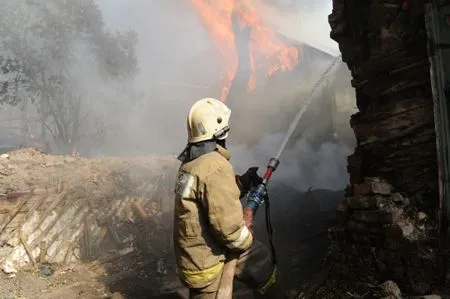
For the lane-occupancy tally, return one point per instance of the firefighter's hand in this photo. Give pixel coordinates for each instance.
(248, 218)
(249, 179)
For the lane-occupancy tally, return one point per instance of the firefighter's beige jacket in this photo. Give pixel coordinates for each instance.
(208, 218)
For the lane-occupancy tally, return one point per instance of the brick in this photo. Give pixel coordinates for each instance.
(342, 212)
(366, 202)
(377, 240)
(376, 217)
(393, 244)
(356, 226)
(337, 233)
(360, 238)
(420, 287)
(365, 250)
(350, 249)
(371, 187)
(399, 199)
(397, 272)
(393, 258)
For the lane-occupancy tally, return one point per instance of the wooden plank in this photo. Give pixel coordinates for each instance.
(44, 233)
(42, 252)
(58, 199)
(141, 211)
(27, 250)
(87, 237)
(69, 252)
(38, 203)
(99, 237)
(109, 210)
(114, 235)
(65, 226)
(14, 213)
(4, 210)
(17, 194)
(59, 186)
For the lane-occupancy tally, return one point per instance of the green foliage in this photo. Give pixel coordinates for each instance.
(41, 40)
(42, 43)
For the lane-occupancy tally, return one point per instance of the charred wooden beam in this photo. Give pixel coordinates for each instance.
(243, 71)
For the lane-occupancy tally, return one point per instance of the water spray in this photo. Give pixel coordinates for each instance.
(257, 195)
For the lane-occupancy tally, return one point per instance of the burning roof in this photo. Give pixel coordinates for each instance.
(225, 20)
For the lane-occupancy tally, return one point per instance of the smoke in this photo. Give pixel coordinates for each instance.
(176, 68)
(178, 64)
(302, 166)
(301, 20)
(310, 161)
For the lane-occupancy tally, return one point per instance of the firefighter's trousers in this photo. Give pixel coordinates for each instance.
(255, 269)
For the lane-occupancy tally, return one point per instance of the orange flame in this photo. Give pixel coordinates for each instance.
(268, 54)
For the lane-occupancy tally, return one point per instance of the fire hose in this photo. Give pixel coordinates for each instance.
(258, 196)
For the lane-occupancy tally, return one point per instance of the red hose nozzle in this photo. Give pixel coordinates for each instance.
(271, 167)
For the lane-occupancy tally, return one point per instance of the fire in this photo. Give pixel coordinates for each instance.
(268, 54)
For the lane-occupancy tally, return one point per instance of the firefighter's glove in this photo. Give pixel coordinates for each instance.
(248, 180)
(248, 218)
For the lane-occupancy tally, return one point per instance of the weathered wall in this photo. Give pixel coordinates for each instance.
(387, 228)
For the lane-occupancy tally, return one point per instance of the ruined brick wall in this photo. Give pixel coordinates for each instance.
(388, 219)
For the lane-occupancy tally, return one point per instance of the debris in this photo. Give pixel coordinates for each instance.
(114, 234)
(399, 199)
(46, 270)
(421, 287)
(421, 216)
(4, 156)
(8, 267)
(42, 252)
(161, 267)
(141, 211)
(390, 289)
(87, 238)
(69, 252)
(126, 251)
(45, 211)
(27, 250)
(117, 295)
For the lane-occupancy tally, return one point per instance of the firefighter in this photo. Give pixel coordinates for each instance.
(208, 220)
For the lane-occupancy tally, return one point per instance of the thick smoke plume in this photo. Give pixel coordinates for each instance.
(177, 64)
(302, 166)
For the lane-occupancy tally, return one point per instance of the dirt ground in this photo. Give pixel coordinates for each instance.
(300, 220)
(29, 168)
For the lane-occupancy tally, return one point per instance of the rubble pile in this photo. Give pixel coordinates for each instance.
(61, 210)
(381, 235)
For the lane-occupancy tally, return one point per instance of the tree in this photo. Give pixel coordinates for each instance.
(46, 47)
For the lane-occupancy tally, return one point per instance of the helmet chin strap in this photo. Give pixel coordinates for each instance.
(222, 142)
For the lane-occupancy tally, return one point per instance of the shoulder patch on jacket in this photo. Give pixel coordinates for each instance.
(184, 184)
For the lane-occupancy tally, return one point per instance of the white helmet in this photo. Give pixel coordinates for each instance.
(208, 119)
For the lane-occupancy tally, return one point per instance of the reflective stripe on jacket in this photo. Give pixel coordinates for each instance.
(208, 219)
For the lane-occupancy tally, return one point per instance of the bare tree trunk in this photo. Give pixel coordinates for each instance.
(24, 123)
